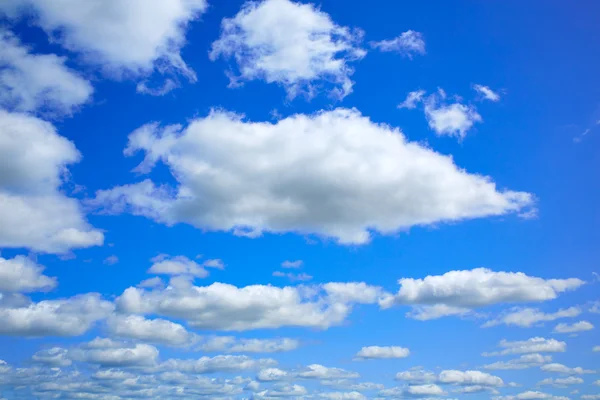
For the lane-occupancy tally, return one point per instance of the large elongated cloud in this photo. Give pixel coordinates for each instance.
(133, 36)
(37, 82)
(34, 213)
(295, 45)
(335, 174)
(227, 307)
(458, 292)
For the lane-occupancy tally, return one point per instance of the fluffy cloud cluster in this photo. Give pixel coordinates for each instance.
(457, 292)
(35, 213)
(227, 307)
(408, 44)
(38, 82)
(132, 37)
(21, 274)
(335, 174)
(292, 44)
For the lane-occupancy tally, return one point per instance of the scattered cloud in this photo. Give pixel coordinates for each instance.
(528, 317)
(533, 345)
(561, 382)
(179, 265)
(575, 327)
(563, 369)
(302, 277)
(158, 331)
(409, 44)
(374, 352)
(412, 99)
(487, 93)
(450, 119)
(21, 274)
(229, 344)
(292, 264)
(383, 183)
(523, 362)
(111, 260)
(292, 44)
(108, 353)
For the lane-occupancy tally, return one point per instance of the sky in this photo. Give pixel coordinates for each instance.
(291, 200)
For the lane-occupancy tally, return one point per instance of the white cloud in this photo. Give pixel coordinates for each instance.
(20, 274)
(351, 385)
(533, 345)
(38, 82)
(226, 307)
(150, 330)
(416, 375)
(283, 390)
(55, 357)
(271, 374)
(221, 363)
(111, 260)
(372, 352)
(317, 371)
(35, 213)
(575, 327)
(486, 93)
(292, 264)
(450, 119)
(343, 396)
(132, 37)
(429, 389)
(590, 396)
(596, 348)
(230, 344)
(114, 354)
(179, 265)
(563, 369)
(456, 292)
(532, 395)
(68, 317)
(292, 44)
(382, 182)
(302, 277)
(561, 382)
(412, 99)
(408, 44)
(454, 377)
(527, 317)
(523, 362)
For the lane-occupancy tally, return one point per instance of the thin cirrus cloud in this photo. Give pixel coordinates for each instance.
(409, 44)
(115, 34)
(36, 214)
(383, 182)
(292, 44)
(39, 83)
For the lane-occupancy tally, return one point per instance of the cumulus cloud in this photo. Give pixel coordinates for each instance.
(157, 330)
(220, 363)
(531, 395)
(486, 93)
(412, 99)
(292, 44)
(561, 382)
(372, 352)
(108, 353)
(67, 317)
(229, 344)
(409, 44)
(468, 380)
(38, 82)
(282, 390)
(179, 265)
(317, 371)
(523, 362)
(21, 274)
(533, 345)
(35, 213)
(55, 357)
(563, 369)
(334, 174)
(575, 327)
(527, 317)
(227, 307)
(450, 119)
(457, 292)
(343, 396)
(116, 35)
(271, 374)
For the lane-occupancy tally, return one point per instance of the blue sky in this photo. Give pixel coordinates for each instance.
(277, 199)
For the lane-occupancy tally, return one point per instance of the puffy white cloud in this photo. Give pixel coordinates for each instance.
(317, 371)
(67, 317)
(230, 344)
(527, 317)
(179, 265)
(132, 37)
(532, 345)
(35, 214)
(292, 44)
(451, 119)
(21, 274)
(334, 173)
(114, 354)
(371, 352)
(227, 307)
(408, 44)
(343, 396)
(523, 362)
(412, 99)
(282, 390)
(271, 374)
(292, 264)
(55, 357)
(580, 326)
(487, 93)
(455, 292)
(38, 82)
(563, 369)
(561, 382)
(150, 330)
(455, 377)
(416, 375)
(428, 389)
